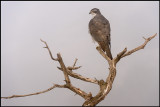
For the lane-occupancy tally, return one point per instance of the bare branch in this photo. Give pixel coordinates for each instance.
(64, 69)
(139, 47)
(59, 59)
(78, 76)
(75, 62)
(49, 89)
(67, 80)
(73, 68)
(78, 91)
(103, 54)
(49, 50)
(119, 56)
(105, 86)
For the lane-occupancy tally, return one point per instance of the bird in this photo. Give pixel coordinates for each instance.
(99, 28)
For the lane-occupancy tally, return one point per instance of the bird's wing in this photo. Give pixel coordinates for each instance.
(100, 28)
(100, 31)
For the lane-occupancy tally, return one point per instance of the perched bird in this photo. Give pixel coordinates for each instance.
(99, 29)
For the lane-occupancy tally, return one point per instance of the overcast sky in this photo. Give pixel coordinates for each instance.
(26, 66)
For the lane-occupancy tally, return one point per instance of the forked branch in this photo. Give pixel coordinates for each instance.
(105, 86)
(139, 47)
(49, 50)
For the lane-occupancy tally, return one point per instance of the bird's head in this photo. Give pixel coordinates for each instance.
(94, 11)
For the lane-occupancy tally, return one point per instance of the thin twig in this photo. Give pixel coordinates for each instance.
(49, 89)
(75, 62)
(49, 50)
(139, 47)
(73, 68)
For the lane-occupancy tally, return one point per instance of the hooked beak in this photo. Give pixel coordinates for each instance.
(90, 12)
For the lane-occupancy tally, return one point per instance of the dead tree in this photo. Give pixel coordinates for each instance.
(104, 85)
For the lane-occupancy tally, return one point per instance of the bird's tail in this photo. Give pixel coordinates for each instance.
(106, 48)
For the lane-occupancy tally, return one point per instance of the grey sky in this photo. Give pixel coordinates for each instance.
(27, 67)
